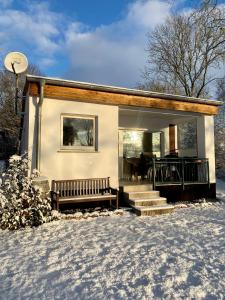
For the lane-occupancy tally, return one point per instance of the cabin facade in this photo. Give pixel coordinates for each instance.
(75, 130)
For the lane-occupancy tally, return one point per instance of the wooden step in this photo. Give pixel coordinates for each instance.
(148, 202)
(137, 188)
(142, 195)
(153, 210)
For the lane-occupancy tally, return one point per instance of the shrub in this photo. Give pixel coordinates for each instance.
(21, 203)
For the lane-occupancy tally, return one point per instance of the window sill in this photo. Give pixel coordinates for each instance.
(77, 151)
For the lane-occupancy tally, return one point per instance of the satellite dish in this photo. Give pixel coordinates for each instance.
(16, 62)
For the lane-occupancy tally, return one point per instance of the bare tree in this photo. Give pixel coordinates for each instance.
(220, 118)
(154, 85)
(184, 51)
(220, 132)
(9, 120)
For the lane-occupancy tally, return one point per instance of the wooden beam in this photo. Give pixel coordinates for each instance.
(172, 138)
(112, 98)
(33, 89)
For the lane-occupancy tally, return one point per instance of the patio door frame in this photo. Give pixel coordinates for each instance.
(120, 143)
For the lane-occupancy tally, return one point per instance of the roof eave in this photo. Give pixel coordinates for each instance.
(115, 89)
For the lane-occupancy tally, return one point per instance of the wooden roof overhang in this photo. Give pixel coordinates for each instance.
(93, 93)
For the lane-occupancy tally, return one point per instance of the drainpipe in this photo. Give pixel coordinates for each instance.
(38, 118)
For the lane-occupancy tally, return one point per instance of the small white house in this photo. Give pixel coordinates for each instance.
(83, 130)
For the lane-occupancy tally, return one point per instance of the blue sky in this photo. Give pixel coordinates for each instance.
(95, 41)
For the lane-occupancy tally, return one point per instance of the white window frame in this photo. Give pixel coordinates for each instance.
(80, 148)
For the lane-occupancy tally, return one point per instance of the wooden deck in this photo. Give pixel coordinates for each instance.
(171, 172)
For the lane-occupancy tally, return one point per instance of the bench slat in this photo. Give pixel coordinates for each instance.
(66, 189)
(83, 190)
(87, 199)
(80, 187)
(100, 196)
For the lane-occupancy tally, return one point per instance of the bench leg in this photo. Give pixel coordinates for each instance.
(54, 204)
(110, 201)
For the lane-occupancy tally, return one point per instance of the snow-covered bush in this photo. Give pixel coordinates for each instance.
(21, 203)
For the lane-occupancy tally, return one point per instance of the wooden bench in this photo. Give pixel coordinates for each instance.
(82, 190)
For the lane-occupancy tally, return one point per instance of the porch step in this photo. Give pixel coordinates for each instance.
(137, 188)
(142, 195)
(147, 202)
(153, 210)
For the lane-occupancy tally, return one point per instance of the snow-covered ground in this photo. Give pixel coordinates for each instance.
(176, 256)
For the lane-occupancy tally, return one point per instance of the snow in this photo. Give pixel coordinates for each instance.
(220, 189)
(175, 256)
(2, 165)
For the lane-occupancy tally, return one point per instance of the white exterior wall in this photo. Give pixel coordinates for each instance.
(56, 163)
(142, 121)
(32, 139)
(206, 143)
(24, 139)
(28, 142)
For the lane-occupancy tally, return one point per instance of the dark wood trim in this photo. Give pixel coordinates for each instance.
(33, 89)
(172, 138)
(175, 193)
(113, 98)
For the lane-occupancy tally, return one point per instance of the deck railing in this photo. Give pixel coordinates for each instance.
(178, 171)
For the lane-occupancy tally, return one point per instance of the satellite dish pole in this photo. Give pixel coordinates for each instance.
(17, 88)
(16, 63)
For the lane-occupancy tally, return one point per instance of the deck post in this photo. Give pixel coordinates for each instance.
(207, 166)
(182, 173)
(154, 174)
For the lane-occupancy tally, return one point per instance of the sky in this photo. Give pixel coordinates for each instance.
(93, 41)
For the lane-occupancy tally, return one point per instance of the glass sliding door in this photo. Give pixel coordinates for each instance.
(134, 143)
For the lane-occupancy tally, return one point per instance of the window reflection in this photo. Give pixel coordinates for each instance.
(78, 132)
(137, 142)
(187, 138)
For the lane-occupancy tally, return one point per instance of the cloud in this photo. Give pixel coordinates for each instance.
(35, 31)
(147, 14)
(114, 54)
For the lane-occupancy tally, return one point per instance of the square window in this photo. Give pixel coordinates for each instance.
(78, 132)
